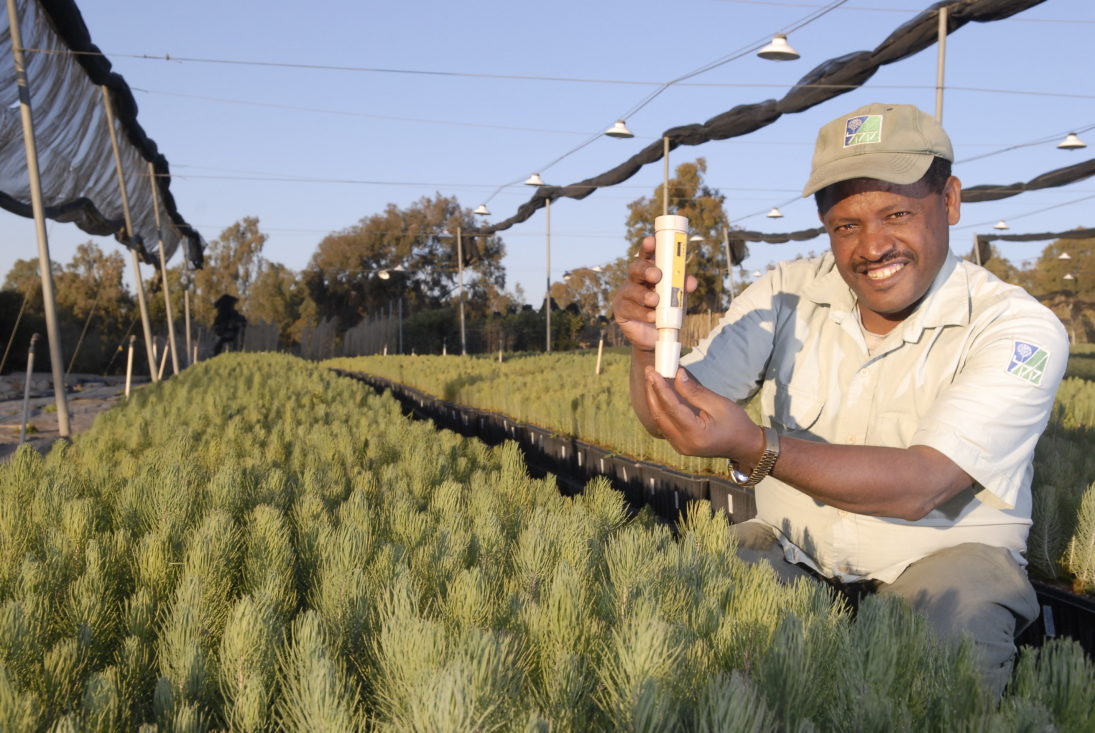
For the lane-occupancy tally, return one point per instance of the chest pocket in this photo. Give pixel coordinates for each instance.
(792, 408)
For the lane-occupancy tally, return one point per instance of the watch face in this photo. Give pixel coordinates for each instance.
(739, 478)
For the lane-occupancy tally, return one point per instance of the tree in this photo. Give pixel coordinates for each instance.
(689, 196)
(92, 285)
(417, 248)
(586, 287)
(1049, 271)
(23, 279)
(278, 296)
(232, 263)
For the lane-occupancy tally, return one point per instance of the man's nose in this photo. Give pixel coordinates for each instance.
(876, 241)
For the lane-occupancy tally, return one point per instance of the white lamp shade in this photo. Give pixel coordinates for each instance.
(1064, 256)
(778, 50)
(695, 238)
(1071, 142)
(1001, 225)
(619, 129)
(775, 213)
(1069, 276)
(383, 274)
(483, 210)
(534, 180)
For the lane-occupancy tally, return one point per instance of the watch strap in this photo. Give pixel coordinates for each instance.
(764, 465)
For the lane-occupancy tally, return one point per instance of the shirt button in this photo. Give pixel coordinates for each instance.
(850, 440)
(863, 372)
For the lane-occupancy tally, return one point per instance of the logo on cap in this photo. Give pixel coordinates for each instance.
(863, 129)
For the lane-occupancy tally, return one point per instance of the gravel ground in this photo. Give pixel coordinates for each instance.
(88, 395)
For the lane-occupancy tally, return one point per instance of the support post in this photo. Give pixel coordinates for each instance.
(191, 357)
(129, 366)
(163, 273)
(976, 249)
(729, 264)
(665, 183)
(600, 351)
(145, 324)
(460, 270)
(45, 266)
(26, 389)
(547, 294)
(942, 43)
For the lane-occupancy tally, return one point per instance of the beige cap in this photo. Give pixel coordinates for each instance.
(888, 142)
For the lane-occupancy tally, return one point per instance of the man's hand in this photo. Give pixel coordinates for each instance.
(635, 301)
(698, 422)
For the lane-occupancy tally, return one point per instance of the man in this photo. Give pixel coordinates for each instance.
(229, 324)
(902, 392)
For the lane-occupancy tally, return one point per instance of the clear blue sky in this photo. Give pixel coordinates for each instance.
(345, 143)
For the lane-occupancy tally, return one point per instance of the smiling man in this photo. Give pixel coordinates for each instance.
(902, 392)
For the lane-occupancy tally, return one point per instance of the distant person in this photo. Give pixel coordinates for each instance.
(229, 325)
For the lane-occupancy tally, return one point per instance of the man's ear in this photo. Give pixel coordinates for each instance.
(952, 199)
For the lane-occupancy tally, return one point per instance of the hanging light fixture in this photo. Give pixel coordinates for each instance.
(619, 130)
(482, 210)
(1071, 142)
(778, 50)
(534, 180)
(1001, 225)
(774, 213)
(695, 238)
(1064, 256)
(1069, 276)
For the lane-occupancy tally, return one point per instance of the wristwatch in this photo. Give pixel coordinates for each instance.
(764, 465)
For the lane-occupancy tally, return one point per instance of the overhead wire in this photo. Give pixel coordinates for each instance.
(742, 51)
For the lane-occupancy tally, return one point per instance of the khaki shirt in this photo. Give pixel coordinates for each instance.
(971, 373)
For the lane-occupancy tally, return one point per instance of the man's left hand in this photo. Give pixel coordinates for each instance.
(699, 422)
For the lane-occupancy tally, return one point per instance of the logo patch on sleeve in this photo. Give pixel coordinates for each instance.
(1028, 362)
(862, 129)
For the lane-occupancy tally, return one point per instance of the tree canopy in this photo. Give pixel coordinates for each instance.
(690, 197)
(415, 247)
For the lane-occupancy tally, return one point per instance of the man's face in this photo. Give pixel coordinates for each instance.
(890, 241)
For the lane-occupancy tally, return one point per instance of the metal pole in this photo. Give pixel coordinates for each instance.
(600, 351)
(186, 308)
(665, 184)
(145, 324)
(976, 250)
(129, 366)
(163, 363)
(26, 389)
(30, 144)
(729, 261)
(400, 324)
(942, 43)
(163, 273)
(547, 295)
(460, 269)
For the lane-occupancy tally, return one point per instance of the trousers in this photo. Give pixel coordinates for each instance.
(969, 589)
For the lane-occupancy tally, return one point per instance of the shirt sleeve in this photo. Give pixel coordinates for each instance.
(732, 359)
(990, 417)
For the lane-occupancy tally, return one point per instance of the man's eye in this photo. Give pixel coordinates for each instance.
(899, 214)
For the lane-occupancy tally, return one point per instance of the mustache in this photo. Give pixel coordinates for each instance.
(863, 264)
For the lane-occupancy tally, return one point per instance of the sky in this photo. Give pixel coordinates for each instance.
(313, 116)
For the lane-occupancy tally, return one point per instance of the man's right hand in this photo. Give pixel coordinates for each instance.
(635, 301)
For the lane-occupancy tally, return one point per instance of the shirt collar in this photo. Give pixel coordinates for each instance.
(947, 302)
